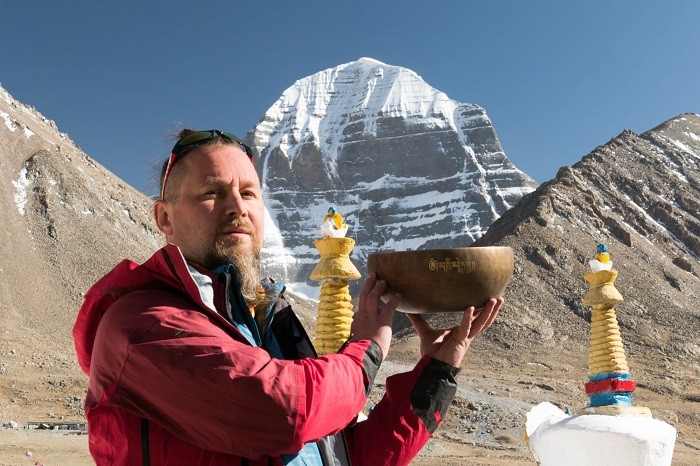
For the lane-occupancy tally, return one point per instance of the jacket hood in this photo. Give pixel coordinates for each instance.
(165, 269)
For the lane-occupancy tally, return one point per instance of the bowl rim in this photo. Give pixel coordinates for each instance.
(440, 250)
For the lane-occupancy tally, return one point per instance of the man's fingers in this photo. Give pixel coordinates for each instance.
(466, 323)
(482, 318)
(422, 326)
(486, 318)
(393, 303)
(375, 296)
(389, 309)
(369, 285)
(418, 322)
(494, 312)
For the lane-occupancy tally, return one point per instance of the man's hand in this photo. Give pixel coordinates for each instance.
(373, 320)
(450, 345)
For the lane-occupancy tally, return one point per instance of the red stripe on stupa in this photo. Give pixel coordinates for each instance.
(610, 385)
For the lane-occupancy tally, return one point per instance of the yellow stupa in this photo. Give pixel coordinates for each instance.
(609, 384)
(334, 271)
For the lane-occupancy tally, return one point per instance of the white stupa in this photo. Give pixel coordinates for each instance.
(609, 432)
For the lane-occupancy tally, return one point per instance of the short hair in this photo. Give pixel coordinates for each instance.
(172, 190)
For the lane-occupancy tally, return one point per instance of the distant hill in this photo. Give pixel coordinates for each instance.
(639, 194)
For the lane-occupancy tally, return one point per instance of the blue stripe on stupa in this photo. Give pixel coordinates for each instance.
(608, 399)
(609, 375)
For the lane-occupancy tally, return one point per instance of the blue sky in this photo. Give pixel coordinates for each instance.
(556, 78)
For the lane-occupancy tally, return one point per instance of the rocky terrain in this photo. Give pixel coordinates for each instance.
(67, 220)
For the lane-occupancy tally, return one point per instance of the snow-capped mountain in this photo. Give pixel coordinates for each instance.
(407, 166)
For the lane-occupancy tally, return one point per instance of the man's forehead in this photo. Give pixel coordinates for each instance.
(219, 151)
(214, 167)
(219, 158)
(213, 178)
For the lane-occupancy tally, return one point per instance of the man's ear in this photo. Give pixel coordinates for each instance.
(161, 214)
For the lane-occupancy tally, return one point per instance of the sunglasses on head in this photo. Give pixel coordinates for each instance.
(195, 138)
(199, 136)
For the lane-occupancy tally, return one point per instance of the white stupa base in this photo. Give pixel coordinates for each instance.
(555, 438)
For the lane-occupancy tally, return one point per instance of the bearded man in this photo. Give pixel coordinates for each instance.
(194, 360)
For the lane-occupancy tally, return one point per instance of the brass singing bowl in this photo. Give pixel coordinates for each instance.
(443, 280)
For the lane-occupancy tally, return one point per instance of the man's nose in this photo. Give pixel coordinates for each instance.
(235, 205)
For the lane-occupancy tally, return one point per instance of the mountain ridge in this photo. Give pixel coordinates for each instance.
(638, 194)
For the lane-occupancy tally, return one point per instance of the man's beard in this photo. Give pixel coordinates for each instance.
(244, 257)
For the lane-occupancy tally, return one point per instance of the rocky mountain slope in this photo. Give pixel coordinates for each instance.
(66, 221)
(639, 194)
(408, 166)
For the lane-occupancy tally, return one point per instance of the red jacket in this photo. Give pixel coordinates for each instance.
(173, 382)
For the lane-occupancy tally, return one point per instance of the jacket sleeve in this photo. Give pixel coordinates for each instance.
(412, 408)
(177, 369)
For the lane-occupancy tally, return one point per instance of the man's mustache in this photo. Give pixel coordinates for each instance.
(237, 223)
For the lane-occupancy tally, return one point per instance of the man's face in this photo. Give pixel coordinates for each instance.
(219, 212)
